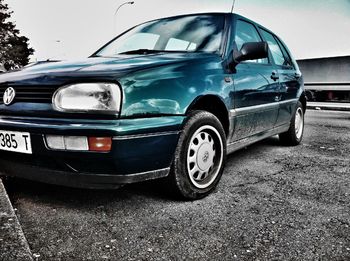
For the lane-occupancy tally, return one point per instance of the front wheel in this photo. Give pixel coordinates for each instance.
(294, 135)
(200, 156)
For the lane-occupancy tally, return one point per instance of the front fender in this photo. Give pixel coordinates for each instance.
(171, 89)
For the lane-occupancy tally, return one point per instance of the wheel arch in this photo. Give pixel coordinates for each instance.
(302, 99)
(215, 105)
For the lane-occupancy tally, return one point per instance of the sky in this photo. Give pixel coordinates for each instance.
(73, 29)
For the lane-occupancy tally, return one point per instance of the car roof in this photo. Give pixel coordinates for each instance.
(184, 15)
(213, 13)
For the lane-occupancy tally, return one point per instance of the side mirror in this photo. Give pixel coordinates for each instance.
(252, 51)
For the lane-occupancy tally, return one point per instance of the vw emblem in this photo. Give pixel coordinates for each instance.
(205, 156)
(9, 95)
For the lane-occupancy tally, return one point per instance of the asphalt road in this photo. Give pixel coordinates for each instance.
(273, 203)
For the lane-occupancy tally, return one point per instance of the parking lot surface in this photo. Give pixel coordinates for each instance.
(273, 203)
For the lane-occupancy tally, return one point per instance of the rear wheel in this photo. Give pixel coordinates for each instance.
(200, 156)
(295, 133)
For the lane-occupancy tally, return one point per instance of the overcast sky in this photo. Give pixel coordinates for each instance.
(71, 29)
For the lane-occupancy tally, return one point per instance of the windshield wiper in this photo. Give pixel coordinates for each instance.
(149, 51)
(142, 51)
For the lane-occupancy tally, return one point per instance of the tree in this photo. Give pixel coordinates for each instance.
(14, 48)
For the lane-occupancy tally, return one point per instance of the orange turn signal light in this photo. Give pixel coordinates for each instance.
(100, 144)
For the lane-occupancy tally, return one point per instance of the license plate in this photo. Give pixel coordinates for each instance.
(15, 141)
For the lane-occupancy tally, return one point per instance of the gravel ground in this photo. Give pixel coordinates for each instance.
(273, 203)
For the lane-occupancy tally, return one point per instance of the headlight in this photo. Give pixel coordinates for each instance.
(88, 97)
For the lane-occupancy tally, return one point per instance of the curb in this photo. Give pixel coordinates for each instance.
(328, 107)
(13, 244)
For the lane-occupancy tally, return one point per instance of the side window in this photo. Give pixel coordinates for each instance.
(245, 33)
(286, 54)
(275, 49)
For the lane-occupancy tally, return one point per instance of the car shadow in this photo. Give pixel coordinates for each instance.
(151, 190)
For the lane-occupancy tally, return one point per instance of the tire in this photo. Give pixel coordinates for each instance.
(199, 157)
(294, 135)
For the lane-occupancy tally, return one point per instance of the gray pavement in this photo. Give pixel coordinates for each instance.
(273, 203)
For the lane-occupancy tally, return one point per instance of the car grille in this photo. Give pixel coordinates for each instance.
(32, 94)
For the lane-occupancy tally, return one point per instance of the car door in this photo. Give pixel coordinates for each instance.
(255, 88)
(289, 77)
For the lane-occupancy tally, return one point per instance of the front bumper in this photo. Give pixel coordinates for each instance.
(142, 149)
(76, 180)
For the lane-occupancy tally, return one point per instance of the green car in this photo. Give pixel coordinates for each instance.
(166, 99)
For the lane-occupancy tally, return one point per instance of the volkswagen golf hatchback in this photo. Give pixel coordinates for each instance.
(168, 99)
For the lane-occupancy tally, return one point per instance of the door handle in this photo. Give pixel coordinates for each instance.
(274, 76)
(278, 98)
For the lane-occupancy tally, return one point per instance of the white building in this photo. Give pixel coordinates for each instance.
(327, 79)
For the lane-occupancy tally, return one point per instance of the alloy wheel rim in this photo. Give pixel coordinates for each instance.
(204, 156)
(299, 123)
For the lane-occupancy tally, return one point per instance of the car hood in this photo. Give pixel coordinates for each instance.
(96, 68)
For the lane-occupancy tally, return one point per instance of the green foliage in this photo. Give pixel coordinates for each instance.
(14, 48)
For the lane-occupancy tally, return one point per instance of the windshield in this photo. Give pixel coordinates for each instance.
(195, 33)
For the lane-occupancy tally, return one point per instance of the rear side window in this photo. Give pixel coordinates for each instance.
(245, 33)
(275, 49)
(285, 53)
